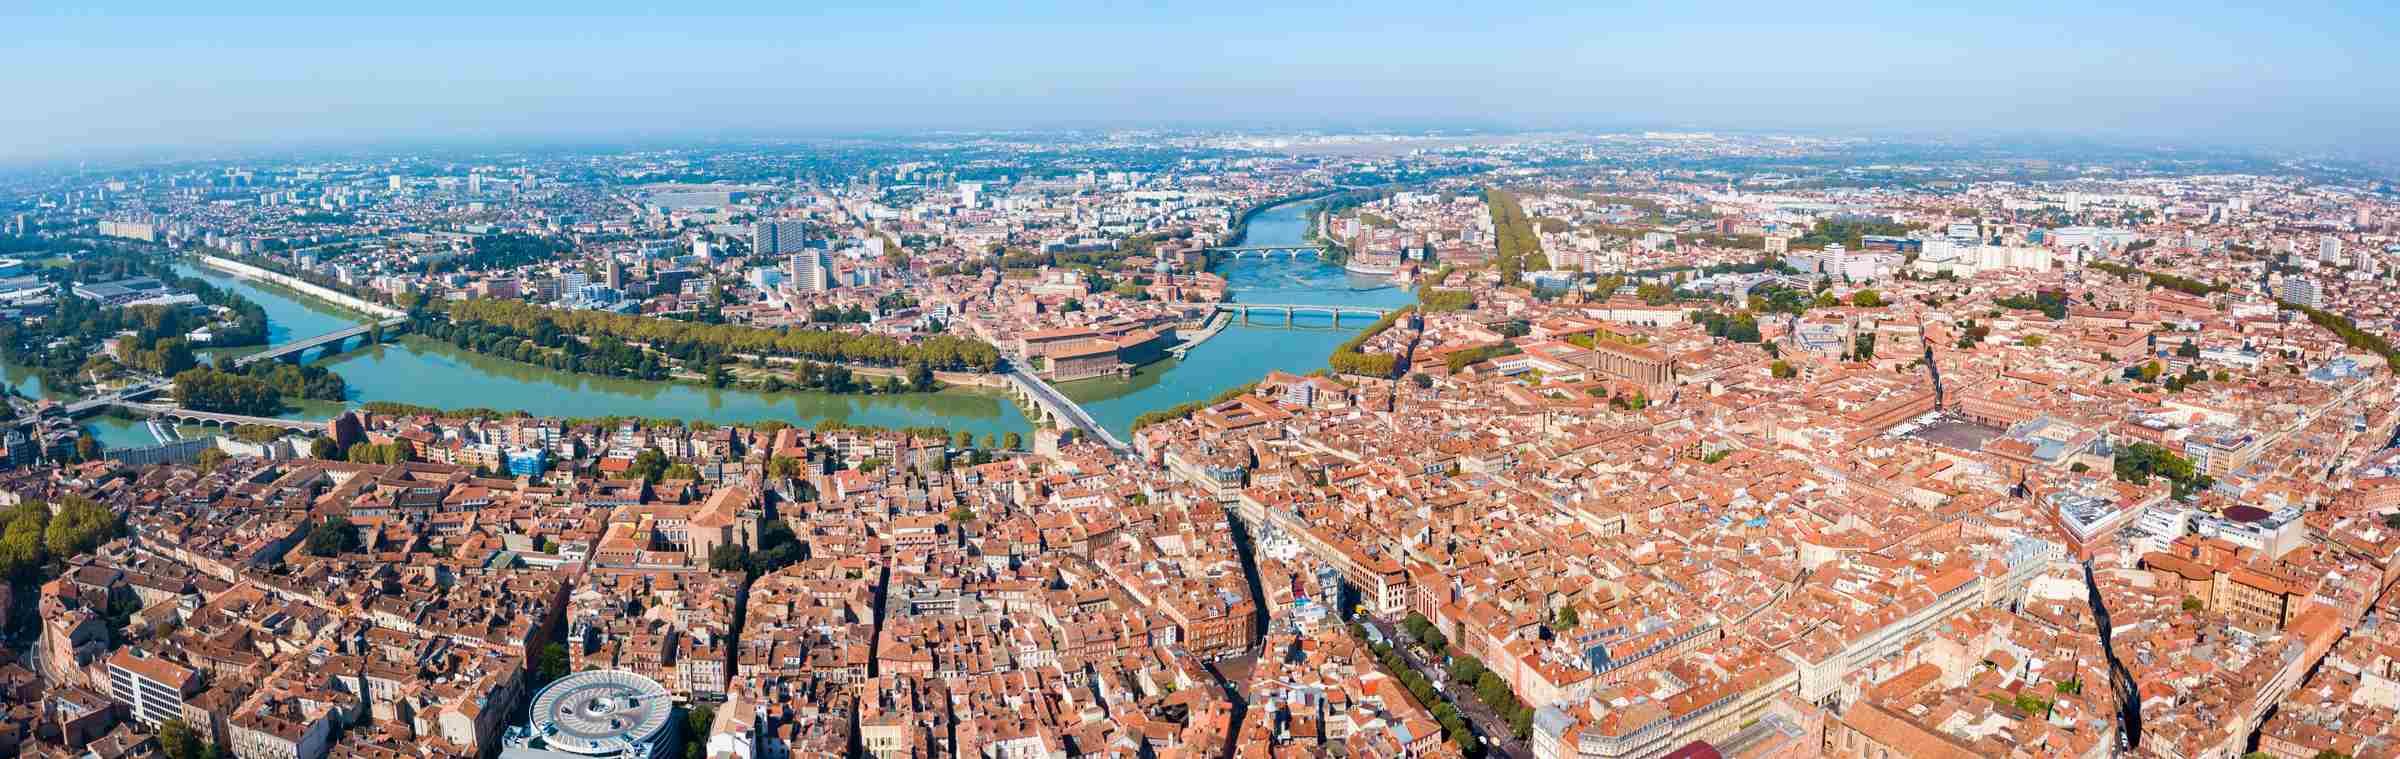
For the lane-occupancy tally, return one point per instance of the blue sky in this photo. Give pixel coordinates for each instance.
(119, 77)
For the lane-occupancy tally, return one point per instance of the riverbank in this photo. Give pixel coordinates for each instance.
(418, 371)
(328, 295)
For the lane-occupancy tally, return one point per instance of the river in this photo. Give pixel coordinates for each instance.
(1241, 354)
(429, 373)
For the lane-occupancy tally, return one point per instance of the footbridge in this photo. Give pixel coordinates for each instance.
(1057, 411)
(1289, 310)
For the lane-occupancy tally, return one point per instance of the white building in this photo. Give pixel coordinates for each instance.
(149, 687)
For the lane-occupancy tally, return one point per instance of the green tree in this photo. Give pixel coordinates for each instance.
(730, 557)
(324, 448)
(334, 535)
(211, 458)
(1012, 441)
(80, 526)
(177, 741)
(649, 465)
(697, 721)
(551, 663)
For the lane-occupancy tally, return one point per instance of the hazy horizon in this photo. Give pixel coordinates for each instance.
(124, 83)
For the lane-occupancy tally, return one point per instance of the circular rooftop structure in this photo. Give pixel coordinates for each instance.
(602, 713)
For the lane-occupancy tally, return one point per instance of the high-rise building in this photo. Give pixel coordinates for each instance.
(395, 182)
(776, 237)
(474, 183)
(2329, 249)
(614, 274)
(968, 192)
(2301, 290)
(812, 271)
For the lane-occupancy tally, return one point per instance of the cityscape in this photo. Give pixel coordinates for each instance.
(1162, 436)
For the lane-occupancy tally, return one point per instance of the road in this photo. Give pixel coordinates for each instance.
(1498, 740)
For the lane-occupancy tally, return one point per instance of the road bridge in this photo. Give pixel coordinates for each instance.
(1294, 250)
(1057, 410)
(179, 415)
(333, 342)
(1289, 310)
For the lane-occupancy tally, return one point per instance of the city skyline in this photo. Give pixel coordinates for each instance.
(123, 83)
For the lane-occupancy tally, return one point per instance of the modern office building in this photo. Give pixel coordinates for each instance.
(149, 687)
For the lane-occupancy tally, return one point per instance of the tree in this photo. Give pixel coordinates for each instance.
(1012, 441)
(80, 526)
(697, 721)
(1566, 619)
(324, 448)
(1867, 298)
(2188, 349)
(333, 536)
(176, 740)
(551, 664)
(1422, 380)
(730, 557)
(1864, 346)
(22, 551)
(962, 514)
(649, 465)
(783, 468)
(211, 458)
(2192, 604)
(1782, 369)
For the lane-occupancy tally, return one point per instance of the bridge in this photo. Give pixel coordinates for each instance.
(95, 404)
(1057, 411)
(1289, 310)
(331, 341)
(130, 398)
(179, 415)
(1294, 250)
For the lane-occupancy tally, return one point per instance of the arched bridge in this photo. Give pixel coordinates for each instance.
(331, 341)
(1291, 309)
(180, 415)
(1057, 410)
(1264, 251)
